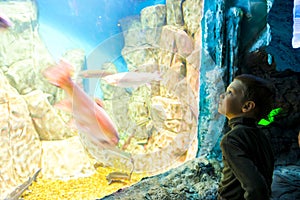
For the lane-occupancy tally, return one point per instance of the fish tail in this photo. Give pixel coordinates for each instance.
(60, 74)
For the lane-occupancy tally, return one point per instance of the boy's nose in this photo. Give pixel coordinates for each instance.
(222, 96)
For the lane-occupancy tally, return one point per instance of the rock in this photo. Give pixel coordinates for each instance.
(132, 31)
(153, 18)
(286, 181)
(20, 151)
(44, 115)
(192, 15)
(193, 180)
(176, 41)
(65, 159)
(140, 55)
(174, 12)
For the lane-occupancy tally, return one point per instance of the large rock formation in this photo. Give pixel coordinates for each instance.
(30, 126)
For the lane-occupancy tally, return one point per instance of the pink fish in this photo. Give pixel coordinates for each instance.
(89, 117)
(4, 21)
(90, 73)
(131, 79)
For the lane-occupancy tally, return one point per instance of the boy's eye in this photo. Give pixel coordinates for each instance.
(228, 92)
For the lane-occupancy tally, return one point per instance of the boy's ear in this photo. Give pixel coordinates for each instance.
(248, 105)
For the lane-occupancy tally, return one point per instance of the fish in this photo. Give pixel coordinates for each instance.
(5, 21)
(93, 73)
(131, 79)
(21, 188)
(120, 176)
(89, 117)
(117, 177)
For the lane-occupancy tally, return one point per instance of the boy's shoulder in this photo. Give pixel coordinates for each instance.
(240, 133)
(241, 129)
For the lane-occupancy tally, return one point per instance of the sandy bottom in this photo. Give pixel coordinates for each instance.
(93, 187)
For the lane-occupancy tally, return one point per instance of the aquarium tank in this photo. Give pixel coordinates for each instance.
(98, 94)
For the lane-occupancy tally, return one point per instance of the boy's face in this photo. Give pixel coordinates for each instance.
(230, 103)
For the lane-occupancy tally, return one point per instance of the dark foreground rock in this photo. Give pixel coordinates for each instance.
(196, 179)
(286, 183)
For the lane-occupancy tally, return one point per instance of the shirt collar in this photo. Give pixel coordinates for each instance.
(243, 121)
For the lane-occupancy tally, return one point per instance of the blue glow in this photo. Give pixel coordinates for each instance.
(83, 23)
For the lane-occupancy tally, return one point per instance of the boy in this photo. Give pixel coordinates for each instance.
(247, 155)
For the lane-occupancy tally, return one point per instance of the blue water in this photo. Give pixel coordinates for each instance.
(91, 25)
(68, 24)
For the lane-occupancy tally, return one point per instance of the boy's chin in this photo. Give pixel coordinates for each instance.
(220, 111)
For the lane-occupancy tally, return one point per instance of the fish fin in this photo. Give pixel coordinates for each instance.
(99, 102)
(59, 74)
(110, 79)
(65, 105)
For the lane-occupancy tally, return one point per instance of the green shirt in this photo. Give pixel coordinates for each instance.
(248, 162)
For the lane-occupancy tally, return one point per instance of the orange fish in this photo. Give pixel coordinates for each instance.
(89, 117)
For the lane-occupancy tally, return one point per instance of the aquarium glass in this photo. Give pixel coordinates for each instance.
(96, 92)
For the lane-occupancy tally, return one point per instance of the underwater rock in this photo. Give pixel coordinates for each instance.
(193, 72)
(44, 115)
(153, 18)
(192, 15)
(16, 42)
(23, 57)
(138, 107)
(65, 159)
(193, 63)
(195, 179)
(20, 151)
(132, 31)
(176, 41)
(137, 56)
(117, 109)
(174, 12)
(23, 54)
(18, 71)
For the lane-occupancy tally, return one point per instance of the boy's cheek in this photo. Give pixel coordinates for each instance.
(220, 109)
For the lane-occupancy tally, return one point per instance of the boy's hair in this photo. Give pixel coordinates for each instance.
(260, 91)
